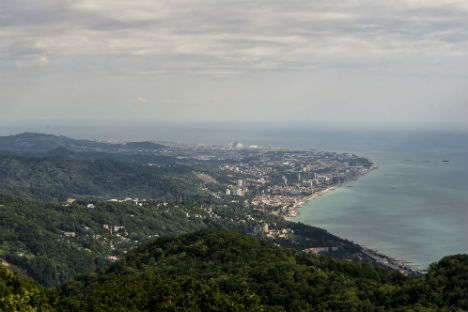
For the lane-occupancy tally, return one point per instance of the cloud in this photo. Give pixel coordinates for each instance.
(245, 36)
(259, 59)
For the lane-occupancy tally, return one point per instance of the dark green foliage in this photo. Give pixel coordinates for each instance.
(285, 277)
(147, 292)
(19, 294)
(151, 292)
(99, 177)
(445, 285)
(215, 270)
(33, 235)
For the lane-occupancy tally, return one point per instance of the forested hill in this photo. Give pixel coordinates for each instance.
(145, 293)
(99, 177)
(215, 270)
(237, 263)
(28, 143)
(53, 242)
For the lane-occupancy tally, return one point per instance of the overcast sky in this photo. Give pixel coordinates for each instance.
(386, 62)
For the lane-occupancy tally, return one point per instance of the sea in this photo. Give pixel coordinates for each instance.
(413, 207)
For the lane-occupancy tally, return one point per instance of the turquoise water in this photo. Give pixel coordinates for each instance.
(413, 207)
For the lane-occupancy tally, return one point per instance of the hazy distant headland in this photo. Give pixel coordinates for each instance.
(332, 136)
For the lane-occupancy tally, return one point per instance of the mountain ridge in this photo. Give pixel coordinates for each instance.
(97, 177)
(40, 143)
(285, 277)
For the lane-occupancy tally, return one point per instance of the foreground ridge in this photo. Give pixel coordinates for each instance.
(217, 270)
(281, 277)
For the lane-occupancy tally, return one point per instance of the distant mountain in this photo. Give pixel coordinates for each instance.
(37, 143)
(41, 143)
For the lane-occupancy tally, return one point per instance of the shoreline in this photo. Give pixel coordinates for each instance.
(293, 211)
(392, 263)
(377, 256)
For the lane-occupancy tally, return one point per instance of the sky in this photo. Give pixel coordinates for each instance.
(398, 63)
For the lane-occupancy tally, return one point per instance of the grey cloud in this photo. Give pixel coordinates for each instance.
(237, 31)
(173, 47)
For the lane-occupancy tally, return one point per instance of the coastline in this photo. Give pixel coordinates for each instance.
(376, 256)
(293, 211)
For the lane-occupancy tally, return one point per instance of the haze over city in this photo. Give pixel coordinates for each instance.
(398, 64)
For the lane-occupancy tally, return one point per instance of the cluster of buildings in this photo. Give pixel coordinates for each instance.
(238, 189)
(278, 180)
(272, 233)
(127, 199)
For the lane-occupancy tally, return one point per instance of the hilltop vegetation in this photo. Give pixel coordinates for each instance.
(98, 177)
(237, 263)
(216, 270)
(145, 293)
(53, 242)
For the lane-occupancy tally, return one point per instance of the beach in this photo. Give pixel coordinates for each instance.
(413, 208)
(293, 211)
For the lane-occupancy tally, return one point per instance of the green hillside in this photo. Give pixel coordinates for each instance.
(53, 242)
(39, 143)
(148, 292)
(99, 177)
(217, 270)
(20, 294)
(237, 263)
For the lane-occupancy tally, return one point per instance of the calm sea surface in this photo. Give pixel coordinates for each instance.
(414, 207)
